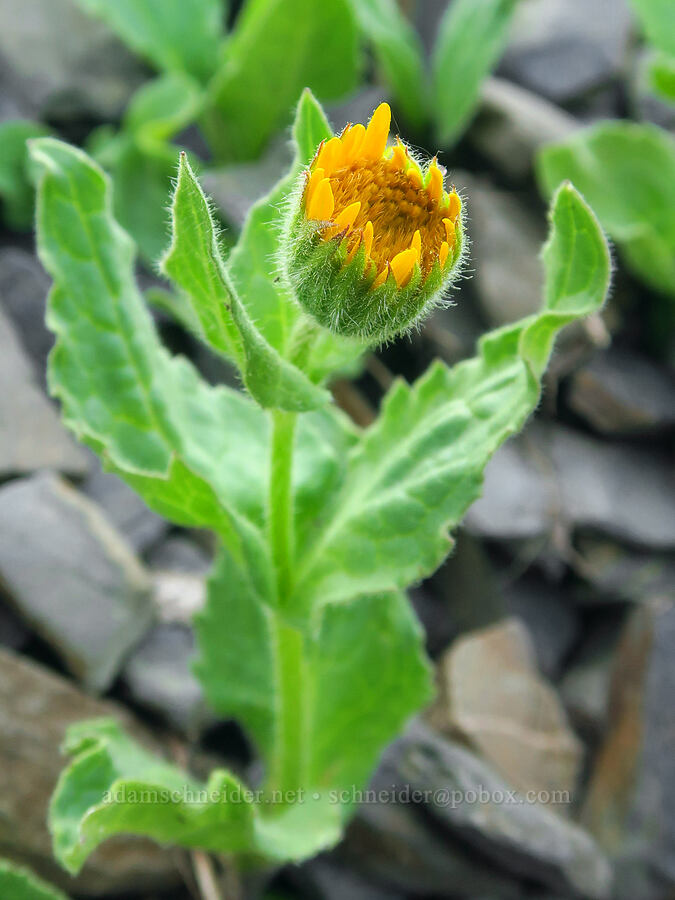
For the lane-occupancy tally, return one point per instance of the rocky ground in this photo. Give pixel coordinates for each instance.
(552, 625)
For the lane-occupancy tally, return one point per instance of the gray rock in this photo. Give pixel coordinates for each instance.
(620, 393)
(158, 675)
(616, 573)
(178, 595)
(503, 830)
(13, 632)
(585, 687)
(358, 107)
(427, 18)
(62, 64)
(513, 123)
(630, 804)
(179, 554)
(653, 813)
(551, 478)
(491, 694)
(234, 189)
(519, 493)
(71, 575)
(552, 621)
(470, 591)
(31, 434)
(141, 527)
(326, 878)
(505, 239)
(24, 285)
(563, 49)
(36, 707)
(394, 842)
(622, 491)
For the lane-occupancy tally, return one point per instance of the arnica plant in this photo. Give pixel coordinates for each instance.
(307, 638)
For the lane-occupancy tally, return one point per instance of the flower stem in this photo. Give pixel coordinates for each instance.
(289, 749)
(281, 500)
(287, 763)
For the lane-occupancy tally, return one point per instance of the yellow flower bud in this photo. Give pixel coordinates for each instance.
(373, 239)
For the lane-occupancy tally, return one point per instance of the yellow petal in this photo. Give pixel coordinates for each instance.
(322, 203)
(454, 206)
(415, 177)
(435, 184)
(331, 155)
(449, 230)
(352, 143)
(399, 157)
(402, 266)
(416, 245)
(348, 215)
(314, 179)
(368, 232)
(377, 133)
(443, 253)
(381, 278)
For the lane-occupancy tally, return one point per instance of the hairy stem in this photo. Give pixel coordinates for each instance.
(286, 774)
(281, 500)
(290, 743)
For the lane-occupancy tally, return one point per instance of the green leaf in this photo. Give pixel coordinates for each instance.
(17, 195)
(174, 35)
(143, 178)
(17, 883)
(627, 173)
(416, 470)
(195, 453)
(399, 54)
(114, 786)
(662, 75)
(471, 38)
(163, 107)
(278, 48)
(355, 693)
(178, 307)
(253, 264)
(194, 263)
(656, 18)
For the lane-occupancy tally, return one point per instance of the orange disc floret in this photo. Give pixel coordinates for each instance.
(379, 198)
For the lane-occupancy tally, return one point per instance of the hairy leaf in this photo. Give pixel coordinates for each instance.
(17, 883)
(278, 48)
(174, 35)
(194, 452)
(253, 264)
(194, 263)
(17, 196)
(420, 465)
(345, 677)
(114, 786)
(399, 54)
(471, 38)
(627, 173)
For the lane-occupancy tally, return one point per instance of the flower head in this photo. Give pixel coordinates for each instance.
(374, 237)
